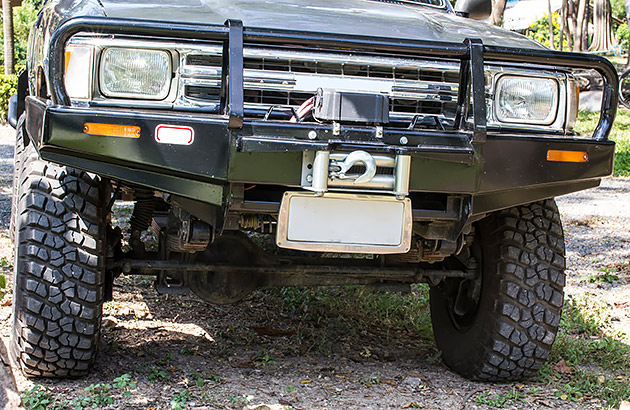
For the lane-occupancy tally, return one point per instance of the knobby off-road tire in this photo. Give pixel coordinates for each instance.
(512, 312)
(59, 266)
(17, 169)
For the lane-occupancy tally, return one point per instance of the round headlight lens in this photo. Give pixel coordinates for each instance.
(528, 100)
(135, 73)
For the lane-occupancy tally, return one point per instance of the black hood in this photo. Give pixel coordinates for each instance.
(361, 17)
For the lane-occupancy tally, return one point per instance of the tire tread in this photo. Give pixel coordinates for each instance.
(59, 231)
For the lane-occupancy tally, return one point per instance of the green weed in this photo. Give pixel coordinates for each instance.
(588, 384)
(124, 383)
(156, 375)
(37, 398)
(239, 400)
(5, 264)
(500, 400)
(262, 358)
(200, 379)
(96, 396)
(179, 400)
(371, 380)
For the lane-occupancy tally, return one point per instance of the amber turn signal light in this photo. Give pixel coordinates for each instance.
(111, 130)
(567, 156)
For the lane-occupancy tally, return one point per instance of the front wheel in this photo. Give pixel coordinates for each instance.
(59, 230)
(501, 325)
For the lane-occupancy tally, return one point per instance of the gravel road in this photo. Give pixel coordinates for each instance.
(249, 355)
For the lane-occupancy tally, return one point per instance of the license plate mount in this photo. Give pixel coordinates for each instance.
(345, 223)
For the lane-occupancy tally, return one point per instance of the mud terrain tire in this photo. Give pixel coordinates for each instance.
(59, 228)
(513, 316)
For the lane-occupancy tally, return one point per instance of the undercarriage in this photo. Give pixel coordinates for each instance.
(224, 267)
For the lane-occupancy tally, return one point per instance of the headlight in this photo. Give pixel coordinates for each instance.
(135, 73)
(528, 100)
(78, 76)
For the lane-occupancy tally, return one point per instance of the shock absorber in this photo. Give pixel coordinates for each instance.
(141, 217)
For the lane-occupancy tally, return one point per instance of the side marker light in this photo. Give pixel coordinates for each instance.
(111, 130)
(567, 156)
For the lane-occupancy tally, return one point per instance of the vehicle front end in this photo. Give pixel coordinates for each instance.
(398, 152)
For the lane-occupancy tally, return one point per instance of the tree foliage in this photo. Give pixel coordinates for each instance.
(539, 31)
(23, 18)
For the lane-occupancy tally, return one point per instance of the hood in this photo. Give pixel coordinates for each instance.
(361, 17)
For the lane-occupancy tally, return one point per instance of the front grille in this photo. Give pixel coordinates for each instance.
(283, 78)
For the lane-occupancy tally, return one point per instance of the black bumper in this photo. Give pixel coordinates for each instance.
(502, 171)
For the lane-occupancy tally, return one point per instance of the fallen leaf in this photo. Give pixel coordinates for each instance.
(413, 404)
(305, 381)
(564, 397)
(601, 379)
(562, 367)
(248, 364)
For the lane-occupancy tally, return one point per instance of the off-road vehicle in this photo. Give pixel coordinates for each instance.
(298, 142)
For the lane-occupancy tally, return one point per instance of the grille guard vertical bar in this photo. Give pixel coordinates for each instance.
(232, 95)
(477, 79)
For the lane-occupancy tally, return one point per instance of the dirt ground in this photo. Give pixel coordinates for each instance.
(270, 352)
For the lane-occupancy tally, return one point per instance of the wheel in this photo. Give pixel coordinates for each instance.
(624, 88)
(17, 155)
(59, 266)
(501, 325)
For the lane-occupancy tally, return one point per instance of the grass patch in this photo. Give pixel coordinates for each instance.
(620, 133)
(500, 400)
(597, 355)
(348, 312)
(95, 396)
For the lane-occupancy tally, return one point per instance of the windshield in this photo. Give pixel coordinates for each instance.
(438, 3)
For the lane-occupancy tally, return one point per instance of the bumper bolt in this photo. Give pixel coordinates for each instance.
(312, 135)
(404, 140)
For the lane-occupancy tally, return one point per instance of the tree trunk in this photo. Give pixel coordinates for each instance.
(570, 15)
(587, 18)
(552, 44)
(498, 7)
(580, 20)
(563, 19)
(7, 25)
(603, 36)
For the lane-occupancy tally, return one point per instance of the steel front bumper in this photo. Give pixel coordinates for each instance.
(503, 171)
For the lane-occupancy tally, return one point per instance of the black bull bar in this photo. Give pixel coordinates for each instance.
(472, 54)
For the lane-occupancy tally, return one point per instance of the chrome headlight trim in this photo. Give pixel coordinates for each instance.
(150, 69)
(538, 84)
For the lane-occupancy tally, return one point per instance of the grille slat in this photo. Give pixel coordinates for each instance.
(280, 77)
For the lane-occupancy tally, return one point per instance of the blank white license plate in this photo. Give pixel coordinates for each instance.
(344, 223)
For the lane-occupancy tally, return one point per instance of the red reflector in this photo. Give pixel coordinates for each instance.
(172, 134)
